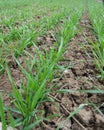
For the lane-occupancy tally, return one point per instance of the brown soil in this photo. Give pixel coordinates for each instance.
(81, 74)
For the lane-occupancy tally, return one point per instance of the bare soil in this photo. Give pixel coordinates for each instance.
(81, 74)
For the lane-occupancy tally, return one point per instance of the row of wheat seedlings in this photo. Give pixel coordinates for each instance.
(97, 18)
(17, 38)
(33, 91)
(96, 14)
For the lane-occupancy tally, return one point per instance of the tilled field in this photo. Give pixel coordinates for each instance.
(70, 104)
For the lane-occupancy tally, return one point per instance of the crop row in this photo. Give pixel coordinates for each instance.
(96, 12)
(34, 90)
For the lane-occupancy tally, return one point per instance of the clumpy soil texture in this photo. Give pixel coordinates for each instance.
(79, 73)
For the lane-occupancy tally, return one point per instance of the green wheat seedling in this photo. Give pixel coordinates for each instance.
(69, 28)
(26, 101)
(99, 58)
(2, 115)
(98, 25)
(4, 119)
